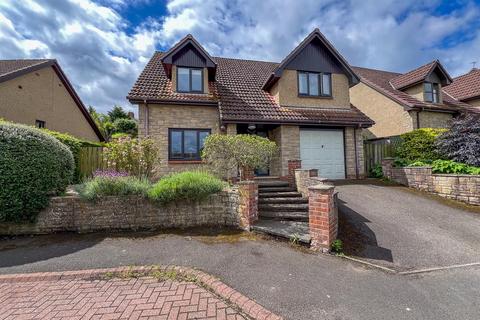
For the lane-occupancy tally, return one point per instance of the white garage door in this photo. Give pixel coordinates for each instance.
(323, 150)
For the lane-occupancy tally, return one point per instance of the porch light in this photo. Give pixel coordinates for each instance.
(252, 126)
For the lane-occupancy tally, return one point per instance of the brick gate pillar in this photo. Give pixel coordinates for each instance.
(248, 206)
(292, 166)
(322, 216)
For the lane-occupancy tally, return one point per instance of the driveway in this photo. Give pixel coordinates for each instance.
(403, 229)
(290, 282)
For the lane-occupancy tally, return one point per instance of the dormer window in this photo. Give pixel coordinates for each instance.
(190, 80)
(431, 92)
(314, 84)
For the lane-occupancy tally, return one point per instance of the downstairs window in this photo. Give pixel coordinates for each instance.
(186, 144)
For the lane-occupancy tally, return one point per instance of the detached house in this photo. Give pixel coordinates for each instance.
(400, 103)
(301, 103)
(466, 88)
(37, 92)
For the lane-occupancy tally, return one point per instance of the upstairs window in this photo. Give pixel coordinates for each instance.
(39, 123)
(431, 92)
(190, 80)
(186, 144)
(315, 84)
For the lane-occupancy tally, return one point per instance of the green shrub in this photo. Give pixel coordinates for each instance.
(376, 171)
(419, 164)
(400, 162)
(337, 246)
(135, 156)
(225, 153)
(100, 186)
(449, 166)
(188, 185)
(33, 166)
(126, 125)
(419, 145)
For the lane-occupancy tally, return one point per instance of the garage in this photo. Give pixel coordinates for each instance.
(323, 149)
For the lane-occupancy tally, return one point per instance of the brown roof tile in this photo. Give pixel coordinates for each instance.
(382, 82)
(239, 94)
(9, 68)
(414, 76)
(466, 86)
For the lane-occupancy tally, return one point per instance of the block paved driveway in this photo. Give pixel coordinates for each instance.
(403, 229)
(136, 298)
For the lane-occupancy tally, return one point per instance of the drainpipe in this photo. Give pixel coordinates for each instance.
(355, 148)
(146, 118)
(418, 119)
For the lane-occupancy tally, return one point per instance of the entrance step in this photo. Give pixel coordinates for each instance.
(273, 183)
(285, 200)
(285, 215)
(285, 229)
(281, 207)
(275, 189)
(286, 194)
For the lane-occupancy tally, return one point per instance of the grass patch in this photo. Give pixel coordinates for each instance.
(189, 185)
(113, 186)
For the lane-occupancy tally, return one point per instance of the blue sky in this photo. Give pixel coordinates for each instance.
(103, 45)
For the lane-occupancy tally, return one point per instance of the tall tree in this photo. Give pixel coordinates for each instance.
(117, 113)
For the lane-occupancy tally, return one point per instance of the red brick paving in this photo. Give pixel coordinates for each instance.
(83, 295)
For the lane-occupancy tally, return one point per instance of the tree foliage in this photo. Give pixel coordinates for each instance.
(419, 145)
(115, 121)
(33, 166)
(226, 153)
(462, 142)
(137, 157)
(127, 126)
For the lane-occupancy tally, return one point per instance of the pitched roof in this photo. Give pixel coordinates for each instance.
(414, 76)
(315, 34)
(188, 39)
(10, 69)
(382, 82)
(466, 86)
(239, 95)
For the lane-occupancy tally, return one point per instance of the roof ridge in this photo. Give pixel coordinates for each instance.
(242, 59)
(378, 70)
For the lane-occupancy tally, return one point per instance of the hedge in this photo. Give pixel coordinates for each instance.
(33, 166)
(419, 145)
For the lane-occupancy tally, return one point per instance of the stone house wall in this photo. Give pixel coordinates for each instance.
(434, 119)
(465, 188)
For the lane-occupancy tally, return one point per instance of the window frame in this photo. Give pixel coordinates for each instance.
(319, 75)
(435, 92)
(202, 90)
(182, 130)
(41, 124)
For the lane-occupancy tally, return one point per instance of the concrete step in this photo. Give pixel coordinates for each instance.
(285, 229)
(282, 207)
(285, 216)
(275, 189)
(282, 194)
(268, 184)
(286, 200)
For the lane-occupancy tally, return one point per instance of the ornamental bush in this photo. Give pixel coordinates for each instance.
(135, 156)
(462, 142)
(419, 145)
(188, 185)
(33, 166)
(112, 184)
(225, 153)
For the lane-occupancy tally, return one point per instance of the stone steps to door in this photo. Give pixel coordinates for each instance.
(281, 207)
(292, 230)
(286, 194)
(284, 200)
(284, 216)
(275, 189)
(268, 184)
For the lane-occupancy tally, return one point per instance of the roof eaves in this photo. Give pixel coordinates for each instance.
(20, 72)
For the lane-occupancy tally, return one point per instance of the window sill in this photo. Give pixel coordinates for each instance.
(315, 97)
(185, 161)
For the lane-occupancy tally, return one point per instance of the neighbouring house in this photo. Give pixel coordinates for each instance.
(466, 88)
(301, 103)
(402, 102)
(37, 92)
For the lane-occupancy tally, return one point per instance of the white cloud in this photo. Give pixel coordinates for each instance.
(103, 59)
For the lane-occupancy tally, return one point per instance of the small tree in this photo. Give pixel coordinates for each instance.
(137, 157)
(225, 153)
(126, 125)
(117, 112)
(462, 142)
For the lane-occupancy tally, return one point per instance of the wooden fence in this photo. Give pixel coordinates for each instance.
(89, 160)
(377, 149)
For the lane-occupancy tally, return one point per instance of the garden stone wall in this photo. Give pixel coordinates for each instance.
(460, 187)
(71, 213)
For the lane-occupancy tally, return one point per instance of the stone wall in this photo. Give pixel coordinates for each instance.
(429, 119)
(355, 164)
(465, 188)
(132, 213)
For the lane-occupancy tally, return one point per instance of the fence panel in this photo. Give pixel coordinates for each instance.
(90, 159)
(377, 149)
